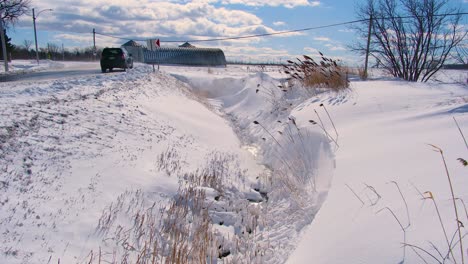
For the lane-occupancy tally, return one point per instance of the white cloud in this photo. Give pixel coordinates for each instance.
(285, 3)
(75, 38)
(325, 39)
(279, 23)
(311, 50)
(337, 48)
(331, 45)
(315, 3)
(86, 40)
(72, 21)
(314, 53)
(142, 19)
(255, 54)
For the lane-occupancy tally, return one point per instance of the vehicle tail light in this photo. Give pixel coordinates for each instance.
(123, 57)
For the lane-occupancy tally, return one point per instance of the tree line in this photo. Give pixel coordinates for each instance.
(54, 52)
(27, 51)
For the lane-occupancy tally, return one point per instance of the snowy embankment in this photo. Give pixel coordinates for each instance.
(385, 127)
(72, 149)
(220, 165)
(384, 163)
(127, 166)
(299, 157)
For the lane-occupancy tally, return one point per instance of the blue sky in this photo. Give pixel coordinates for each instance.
(72, 21)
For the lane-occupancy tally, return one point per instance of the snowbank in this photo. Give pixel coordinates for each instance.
(76, 152)
(100, 167)
(24, 66)
(385, 127)
(300, 157)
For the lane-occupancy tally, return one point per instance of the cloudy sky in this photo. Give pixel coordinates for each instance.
(71, 23)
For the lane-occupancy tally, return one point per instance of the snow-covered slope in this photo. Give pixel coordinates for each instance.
(74, 148)
(300, 157)
(220, 165)
(385, 127)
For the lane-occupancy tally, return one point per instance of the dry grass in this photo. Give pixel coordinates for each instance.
(169, 161)
(325, 74)
(135, 229)
(452, 241)
(455, 208)
(187, 229)
(363, 74)
(178, 233)
(357, 71)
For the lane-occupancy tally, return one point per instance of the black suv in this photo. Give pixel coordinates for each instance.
(116, 58)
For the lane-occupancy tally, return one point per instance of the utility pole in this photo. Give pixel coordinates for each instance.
(35, 33)
(2, 33)
(368, 46)
(151, 47)
(35, 36)
(94, 44)
(63, 53)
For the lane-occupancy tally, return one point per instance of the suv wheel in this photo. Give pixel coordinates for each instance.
(103, 70)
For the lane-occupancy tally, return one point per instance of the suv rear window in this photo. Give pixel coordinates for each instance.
(111, 52)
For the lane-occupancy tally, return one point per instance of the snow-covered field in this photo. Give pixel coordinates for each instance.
(25, 66)
(220, 163)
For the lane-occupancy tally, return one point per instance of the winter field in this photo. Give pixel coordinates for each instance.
(219, 165)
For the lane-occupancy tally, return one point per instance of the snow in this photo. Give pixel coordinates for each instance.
(71, 147)
(385, 128)
(25, 66)
(85, 158)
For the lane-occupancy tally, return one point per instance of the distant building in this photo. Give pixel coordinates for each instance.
(187, 45)
(186, 56)
(135, 49)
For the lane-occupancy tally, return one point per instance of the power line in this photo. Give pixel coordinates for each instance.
(286, 31)
(247, 36)
(276, 33)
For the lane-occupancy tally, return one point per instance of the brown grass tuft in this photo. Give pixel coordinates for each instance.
(363, 74)
(325, 74)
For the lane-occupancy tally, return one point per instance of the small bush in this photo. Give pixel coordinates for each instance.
(363, 74)
(357, 71)
(326, 74)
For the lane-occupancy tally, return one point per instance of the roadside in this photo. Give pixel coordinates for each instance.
(29, 70)
(74, 149)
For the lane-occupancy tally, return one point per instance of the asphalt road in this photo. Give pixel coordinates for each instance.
(85, 69)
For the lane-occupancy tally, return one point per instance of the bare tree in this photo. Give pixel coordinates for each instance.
(27, 44)
(461, 54)
(411, 39)
(11, 10)
(53, 50)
